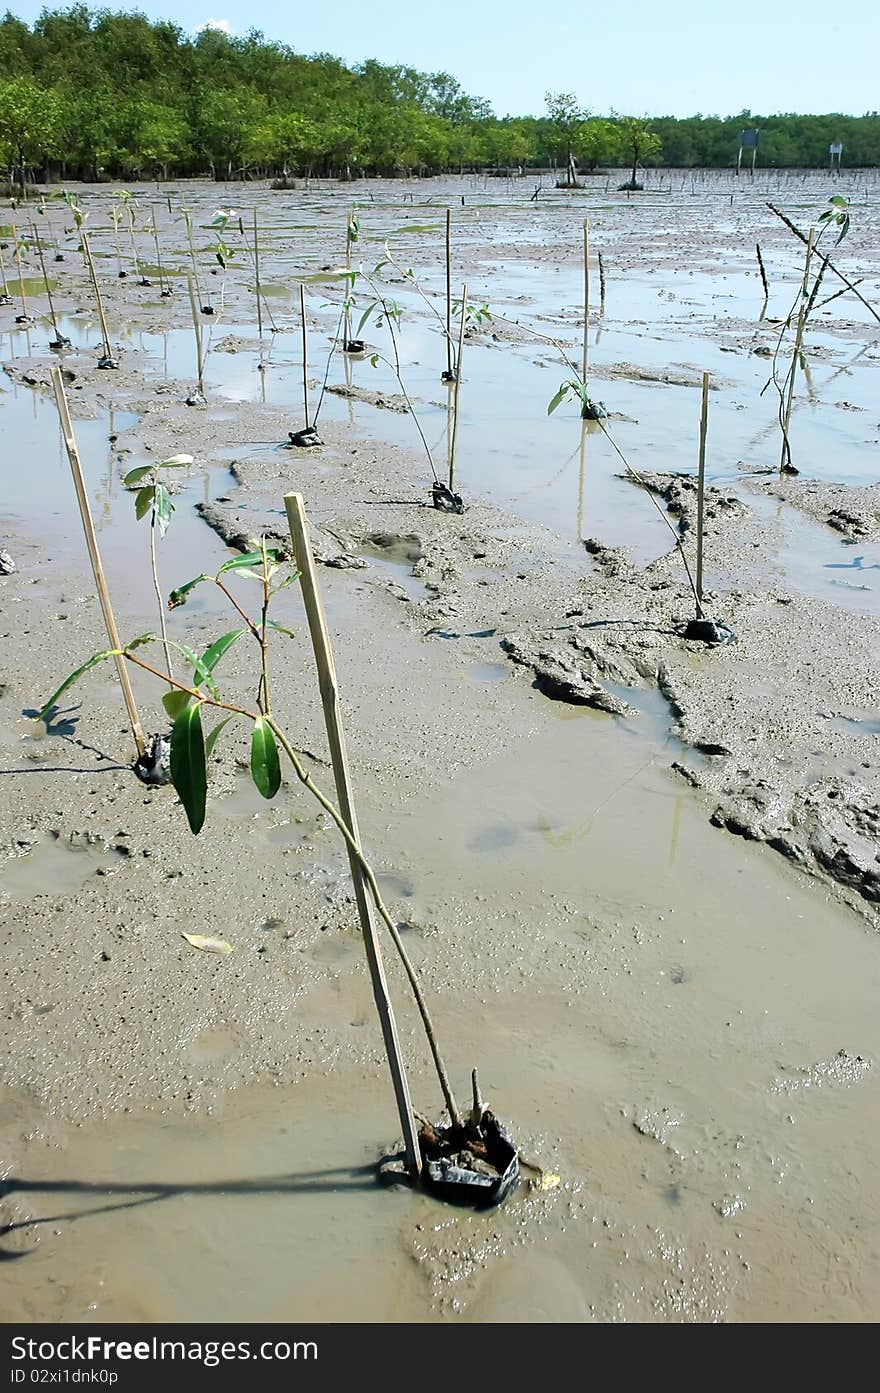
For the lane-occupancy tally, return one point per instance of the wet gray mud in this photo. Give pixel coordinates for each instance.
(637, 875)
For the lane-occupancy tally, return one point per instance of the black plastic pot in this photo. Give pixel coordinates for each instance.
(59, 344)
(208, 309)
(5, 299)
(593, 411)
(121, 275)
(445, 500)
(712, 632)
(196, 399)
(462, 1184)
(304, 438)
(166, 295)
(447, 376)
(107, 362)
(154, 765)
(24, 319)
(143, 281)
(354, 346)
(59, 256)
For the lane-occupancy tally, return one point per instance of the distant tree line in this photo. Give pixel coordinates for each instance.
(95, 95)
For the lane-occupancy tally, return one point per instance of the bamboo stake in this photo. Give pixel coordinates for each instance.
(701, 489)
(450, 372)
(107, 361)
(59, 340)
(198, 332)
(305, 347)
(95, 557)
(164, 287)
(785, 464)
(25, 317)
(586, 297)
(257, 274)
(346, 328)
(299, 531)
(454, 440)
(5, 297)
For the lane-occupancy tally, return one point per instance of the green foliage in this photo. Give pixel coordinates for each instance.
(188, 765)
(265, 765)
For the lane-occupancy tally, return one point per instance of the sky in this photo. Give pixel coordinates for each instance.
(636, 57)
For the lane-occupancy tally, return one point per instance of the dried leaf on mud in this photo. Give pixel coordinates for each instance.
(209, 945)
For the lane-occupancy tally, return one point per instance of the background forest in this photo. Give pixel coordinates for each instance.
(93, 95)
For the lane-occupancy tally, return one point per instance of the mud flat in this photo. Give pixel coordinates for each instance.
(638, 876)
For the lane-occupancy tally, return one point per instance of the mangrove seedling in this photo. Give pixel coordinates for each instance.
(60, 340)
(153, 498)
(79, 217)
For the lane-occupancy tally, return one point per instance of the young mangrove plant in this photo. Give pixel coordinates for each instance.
(837, 216)
(154, 499)
(79, 218)
(192, 748)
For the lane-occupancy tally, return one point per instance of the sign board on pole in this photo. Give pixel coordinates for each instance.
(748, 140)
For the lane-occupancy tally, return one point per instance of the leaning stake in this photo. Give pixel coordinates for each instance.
(449, 374)
(299, 531)
(701, 486)
(95, 557)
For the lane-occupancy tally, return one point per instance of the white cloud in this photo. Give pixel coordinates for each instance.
(222, 24)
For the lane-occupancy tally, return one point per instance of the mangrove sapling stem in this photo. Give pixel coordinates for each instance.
(59, 340)
(815, 291)
(305, 349)
(785, 464)
(164, 287)
(114, 218)
(701, 489)
(107, 360)
(257, 275)
(601, 283)
(389, 320)
(450, 373)
(336, 738)
(197, 328)
(305, 563)
(850, 285)
(160, 600)
(456, 390)
(82, 499)
(346, 326)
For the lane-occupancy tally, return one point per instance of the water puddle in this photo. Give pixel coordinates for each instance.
(55, 867)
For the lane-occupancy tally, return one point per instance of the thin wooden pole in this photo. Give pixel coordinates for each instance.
(453, 442)
(450, 372)
(701, 489)
(163, 286)
(305, 347)
(257, 274)
(87, 253)
(198, 332)
(299, 531)
(6, 298)
(59, 340)
(586, 297)
(25, 316)
(346, 328)
(82, 499)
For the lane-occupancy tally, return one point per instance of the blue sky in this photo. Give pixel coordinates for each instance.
(641, 57)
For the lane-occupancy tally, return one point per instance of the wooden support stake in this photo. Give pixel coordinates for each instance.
(4, 281)
(39, 246)
(450, 372)
(586, 298)
(162, 282)
(22, 292)
(257, 274)
(299, 531)
(198, 332)
(454, 439)
(701, 489)
(87, 253)
(305, 345)
(82, 499)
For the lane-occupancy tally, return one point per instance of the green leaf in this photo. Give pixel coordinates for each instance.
(374, 360)
(265, 767)
(174, 461)
(164, 508)
(69, 681)
(288, 580)
(134, 476)
(251, 558)
(189, 774)
(273, 624)
(211, 656)
(144, 501)
(839, 201)
(201, 674)
(559, 398)
(364, 318)
(175, 702)
(139, 642)
(178, 596)
(214, 734)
